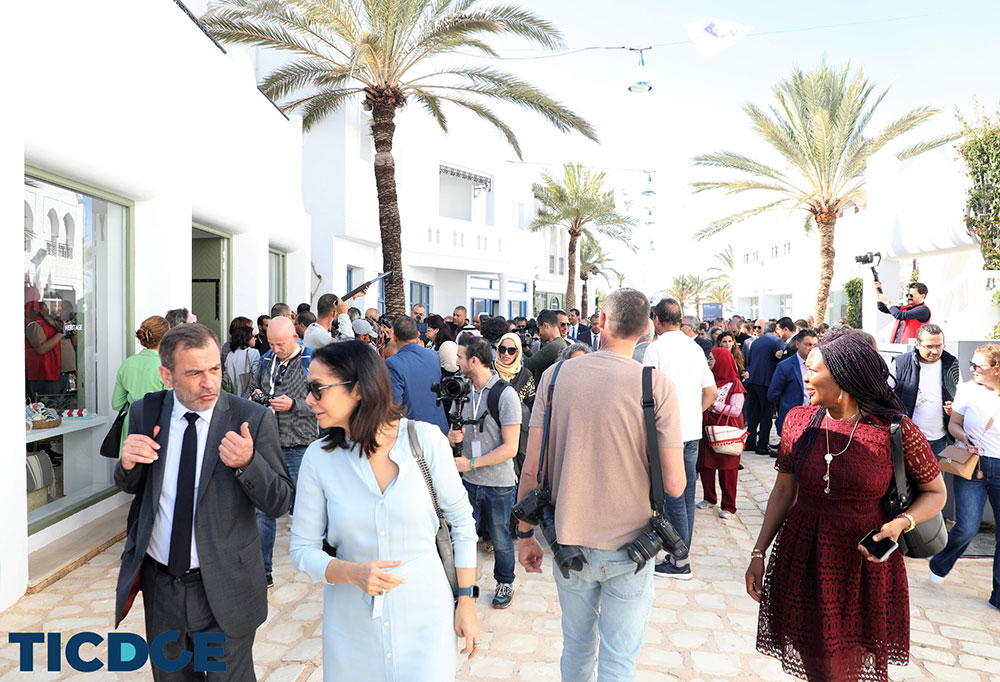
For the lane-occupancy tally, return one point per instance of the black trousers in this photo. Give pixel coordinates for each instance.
(172, 604)
(758, 417)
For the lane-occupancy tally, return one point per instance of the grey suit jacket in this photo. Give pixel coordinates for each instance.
(232, 568)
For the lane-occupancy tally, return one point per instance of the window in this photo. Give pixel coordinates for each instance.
(755, 307)
(785, 304)
(275, 277)
(420, 293)
(788, 248)
(481, 305)
(562, 265)
(430, 234)
(746, 258)
(461, 240)
(479, 241)
(552, 265)
(75, 273)
(517, 309)
(756, 256)
(437, 236)
(486, 243)
(355, 276)
(499, 244)
(517, 286)
(774, 250)
(454, 238)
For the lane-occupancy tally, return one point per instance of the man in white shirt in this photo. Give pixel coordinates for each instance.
(319, 333)
(682, 360)
(575, 326)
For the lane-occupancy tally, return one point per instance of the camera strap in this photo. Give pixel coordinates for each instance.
(656, 493)
(543, 474)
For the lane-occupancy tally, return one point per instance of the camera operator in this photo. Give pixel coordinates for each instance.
(598, 469)
(908, 317)
(487, 462)
(281, 385)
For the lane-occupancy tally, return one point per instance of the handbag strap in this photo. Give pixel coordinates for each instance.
(656, 493)
(543, 474)
(898, 493)
(418, 454)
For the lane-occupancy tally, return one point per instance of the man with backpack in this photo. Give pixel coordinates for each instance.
(281, 385)
(489, 444)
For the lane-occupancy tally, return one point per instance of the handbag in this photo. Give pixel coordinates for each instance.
(112, 443)
(928, 537)
(443, 538)
(956, 460)
(725, 438)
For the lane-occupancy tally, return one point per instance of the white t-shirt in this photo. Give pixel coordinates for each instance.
(683, 361)
(928, 412)
(977, 405)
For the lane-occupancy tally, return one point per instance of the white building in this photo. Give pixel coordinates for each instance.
(914, 214)
(155, 176)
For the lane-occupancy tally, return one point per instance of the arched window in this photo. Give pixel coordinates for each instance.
(437, 236)
(462, 241)
(66, 247)
(430, 234)
(29, 226)
(53, 231)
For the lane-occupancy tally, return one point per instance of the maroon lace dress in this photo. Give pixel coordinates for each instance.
(826, 612)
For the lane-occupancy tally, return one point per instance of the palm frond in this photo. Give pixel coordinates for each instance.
(486, 114)
(299, 74)
(719, 225)
(927, 145)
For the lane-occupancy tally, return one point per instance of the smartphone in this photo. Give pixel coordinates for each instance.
(880, 549)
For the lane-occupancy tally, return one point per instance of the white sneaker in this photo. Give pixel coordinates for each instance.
(704, 504)
(726, 514)
(935, 578)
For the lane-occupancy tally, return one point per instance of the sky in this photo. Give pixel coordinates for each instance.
(930, 53)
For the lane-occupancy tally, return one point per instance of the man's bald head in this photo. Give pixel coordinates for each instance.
(372, 313)
(281, 337)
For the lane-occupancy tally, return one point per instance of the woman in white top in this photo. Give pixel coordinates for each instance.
(242, 362)
(388, 609)
(975, 423)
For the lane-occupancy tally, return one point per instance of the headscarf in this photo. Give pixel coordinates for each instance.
(510, 370)
(725, 372)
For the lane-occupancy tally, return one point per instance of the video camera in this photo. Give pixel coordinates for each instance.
(868, 259)
(456, 389)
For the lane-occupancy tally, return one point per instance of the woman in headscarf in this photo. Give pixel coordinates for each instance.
(727, 410)
(508, 365)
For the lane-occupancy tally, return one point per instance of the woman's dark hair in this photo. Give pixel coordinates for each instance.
(860, 371)
(443, 330)
(239, 322)
(359, 363)
(240, 337)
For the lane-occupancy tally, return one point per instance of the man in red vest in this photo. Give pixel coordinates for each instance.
(42, 353)
(908, 317)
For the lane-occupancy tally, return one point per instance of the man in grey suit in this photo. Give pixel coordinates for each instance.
(192, 545)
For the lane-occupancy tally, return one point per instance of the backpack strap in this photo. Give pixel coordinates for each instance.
(493, 399)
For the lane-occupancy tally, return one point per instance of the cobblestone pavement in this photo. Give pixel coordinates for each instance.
(702, 629)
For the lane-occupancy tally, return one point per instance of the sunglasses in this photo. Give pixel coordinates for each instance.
(506, 350)
(316, 389)
(564, 324)
(758, 327)
(978, 368)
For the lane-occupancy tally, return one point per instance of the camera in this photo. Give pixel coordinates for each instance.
(454, 387)
(536, 508)
(869, 258)
(260, 398)
(661, 535)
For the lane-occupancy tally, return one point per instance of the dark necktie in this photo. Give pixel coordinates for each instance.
(180, 531)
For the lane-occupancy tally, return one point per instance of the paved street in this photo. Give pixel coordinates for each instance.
(702, 629)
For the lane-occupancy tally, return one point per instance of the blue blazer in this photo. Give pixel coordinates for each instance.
(413, 369)
(786, 387)
(761, 360)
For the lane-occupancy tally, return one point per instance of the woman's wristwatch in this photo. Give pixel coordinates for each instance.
(757, 554)
(913, 524)
(469, 592)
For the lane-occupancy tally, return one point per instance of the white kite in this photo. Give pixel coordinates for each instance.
(712, 36)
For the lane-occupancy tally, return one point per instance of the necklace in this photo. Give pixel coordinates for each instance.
(828, 457)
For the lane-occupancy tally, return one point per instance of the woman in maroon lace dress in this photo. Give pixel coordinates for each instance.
(828, 610)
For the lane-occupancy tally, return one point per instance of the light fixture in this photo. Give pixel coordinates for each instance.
(649, 191)
(640, 78)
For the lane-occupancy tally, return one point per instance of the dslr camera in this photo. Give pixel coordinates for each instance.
(261, 398)
(660, 535)
(537, 509)
(454, 387)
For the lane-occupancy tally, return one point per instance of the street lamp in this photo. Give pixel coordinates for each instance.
(649, 191)
(640, 77)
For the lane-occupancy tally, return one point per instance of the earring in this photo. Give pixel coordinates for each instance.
(840, 398)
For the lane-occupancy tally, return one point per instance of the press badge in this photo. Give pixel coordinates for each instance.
(477, 449)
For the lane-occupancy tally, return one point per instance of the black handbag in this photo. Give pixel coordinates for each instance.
(930, 536)
(112, 443)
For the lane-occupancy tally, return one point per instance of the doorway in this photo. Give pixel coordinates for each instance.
(210, 279)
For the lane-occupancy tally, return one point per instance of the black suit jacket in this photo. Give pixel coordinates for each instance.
(232, 568)
(583, 335)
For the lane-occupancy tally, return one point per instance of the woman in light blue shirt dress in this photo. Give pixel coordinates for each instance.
(388, 610)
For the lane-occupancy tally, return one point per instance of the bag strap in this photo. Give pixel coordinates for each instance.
(493, 399)
(897, 494)
(656, 493)
(418, 454)
(543, 474)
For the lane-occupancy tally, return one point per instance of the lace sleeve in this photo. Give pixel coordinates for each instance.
(921, 464)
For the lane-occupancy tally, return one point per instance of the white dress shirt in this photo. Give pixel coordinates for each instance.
(684, 363)
(574, 331)
(159, 541)
(802, 369)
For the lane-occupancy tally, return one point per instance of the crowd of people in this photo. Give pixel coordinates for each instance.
(376, 432)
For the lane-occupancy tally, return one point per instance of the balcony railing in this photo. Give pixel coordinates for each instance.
(51, 247)
(65, 250)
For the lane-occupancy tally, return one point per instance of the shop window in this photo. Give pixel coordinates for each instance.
(81, 292)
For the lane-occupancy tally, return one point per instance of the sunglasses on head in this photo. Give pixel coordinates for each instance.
(506, 350)
(316, 389)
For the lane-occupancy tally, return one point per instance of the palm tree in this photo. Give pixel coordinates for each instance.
(578, 202)
(593, 262)
(724, 270)
(681, 289)
(699, 290)
(818, 126)
(386, 52)
(620, 278)
(721, 293)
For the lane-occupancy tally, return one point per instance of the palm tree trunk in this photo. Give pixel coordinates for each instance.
(383, 129)
(574, 235)
(583, 302)
(826, 222)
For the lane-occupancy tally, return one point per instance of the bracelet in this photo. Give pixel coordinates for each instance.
(472, 463)
(913, 524)
(757, 554)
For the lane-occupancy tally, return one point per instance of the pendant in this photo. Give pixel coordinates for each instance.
(826, 490)
(828, 457)
(826, 477)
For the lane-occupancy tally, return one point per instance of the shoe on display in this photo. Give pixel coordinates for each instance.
(704, 504)
(668, 569)
(503, 595)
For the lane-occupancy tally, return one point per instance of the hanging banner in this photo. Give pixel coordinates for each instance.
(712, 36)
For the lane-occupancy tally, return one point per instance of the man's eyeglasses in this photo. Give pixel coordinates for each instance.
(316, 389)
(978, 368)
(506, 350)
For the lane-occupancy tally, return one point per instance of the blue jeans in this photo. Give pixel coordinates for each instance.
(267, 525)
(606, 604)
(938, 445)
(680, 510)
(970, 500)
(493, 504)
